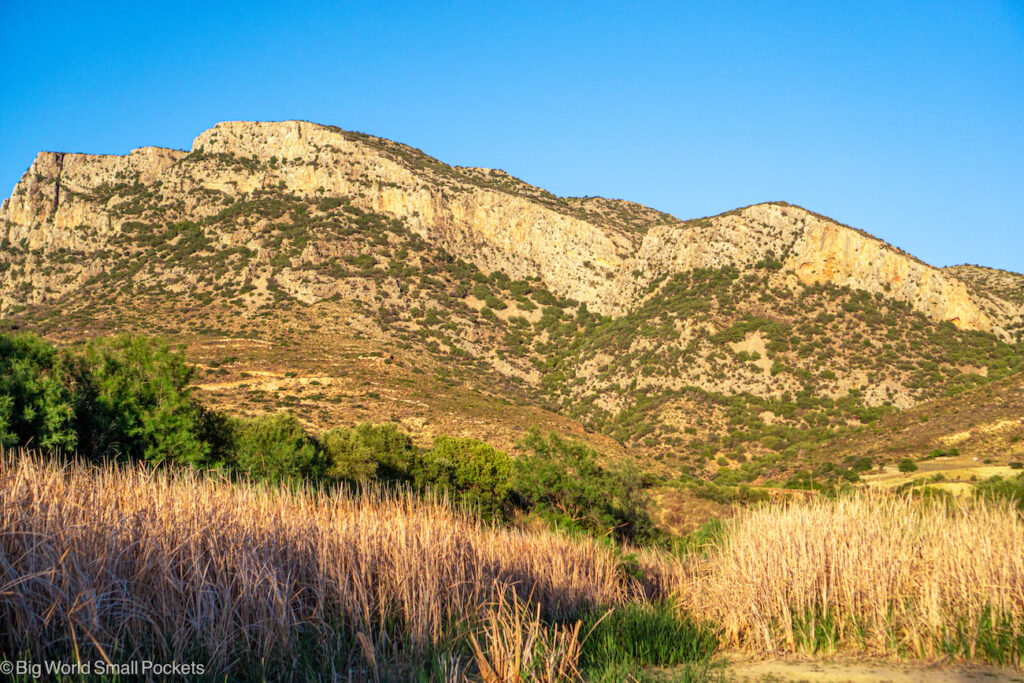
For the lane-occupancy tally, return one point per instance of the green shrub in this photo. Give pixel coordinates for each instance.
(35, 402)
(328, 203)
(862, 465)
(907, 465)
(998, 488)
(470, 470)
(133, 400)
(494, 302)
(274, 448)
(368, 451)
(563, 482)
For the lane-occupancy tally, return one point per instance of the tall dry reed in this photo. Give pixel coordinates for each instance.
(119, 562)
(880, 574)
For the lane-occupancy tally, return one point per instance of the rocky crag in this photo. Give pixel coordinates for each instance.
(602, 254)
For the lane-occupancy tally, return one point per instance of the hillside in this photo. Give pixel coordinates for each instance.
(954, 440)
(348, 277)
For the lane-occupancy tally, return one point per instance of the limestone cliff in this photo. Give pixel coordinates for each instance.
(599, 252)
(816, 249)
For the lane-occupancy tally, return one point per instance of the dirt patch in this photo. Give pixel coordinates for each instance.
(955, 472)
(754, 342)
(863, 672)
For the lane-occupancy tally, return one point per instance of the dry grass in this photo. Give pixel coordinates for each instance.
(123, 563)
(118, 562)
(518, 647)
(880, 574)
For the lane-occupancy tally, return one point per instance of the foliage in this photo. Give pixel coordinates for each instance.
(470, 470)
(645, 635)
(563, 481)
(368, 451)
(999, 488)
(274, 448)
(727, 495)
(35, 402)
(133, 400)
(907, 465)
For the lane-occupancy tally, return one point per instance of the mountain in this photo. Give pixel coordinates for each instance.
(349, 277)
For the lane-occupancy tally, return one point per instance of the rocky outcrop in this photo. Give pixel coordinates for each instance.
(595, 251)
(495, 230)
(815, 249)
(52, 206)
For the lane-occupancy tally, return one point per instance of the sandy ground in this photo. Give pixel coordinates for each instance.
(863, 672)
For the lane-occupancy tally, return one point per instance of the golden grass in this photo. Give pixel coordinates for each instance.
(885, 575)
(126, 563)
(119, 562)
(519, 647)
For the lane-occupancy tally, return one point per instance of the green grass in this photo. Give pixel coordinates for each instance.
(997, 641)
(636, 636)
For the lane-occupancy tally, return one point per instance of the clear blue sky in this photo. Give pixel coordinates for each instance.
(905, 119)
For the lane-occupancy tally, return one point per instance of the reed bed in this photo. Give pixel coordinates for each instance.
(126, 563)
(119, 562)
(885, 576)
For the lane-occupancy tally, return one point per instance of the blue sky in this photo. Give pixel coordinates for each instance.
(904, 119)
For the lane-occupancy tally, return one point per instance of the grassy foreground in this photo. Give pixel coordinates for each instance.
(879, 575)
(120, 563)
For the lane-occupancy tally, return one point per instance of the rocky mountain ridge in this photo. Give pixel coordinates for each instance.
(605, 257)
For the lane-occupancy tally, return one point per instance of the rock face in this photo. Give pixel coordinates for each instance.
(604, 254)
(47, 209)
(818, 250)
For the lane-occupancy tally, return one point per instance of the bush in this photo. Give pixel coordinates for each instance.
(470, 470)
(998, 488)
(35, 403)
(368, 451)
(274, 448)
(133, 400)
(564, 483)
(328, 203)
(907, 465)
(494, 303)
(862, 465)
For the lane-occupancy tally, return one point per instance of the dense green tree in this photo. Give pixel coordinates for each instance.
(470, 470)
(133, 400)
(907, 465)
(368, 451)
(35, 401)
(274, 448)
(563, 481)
